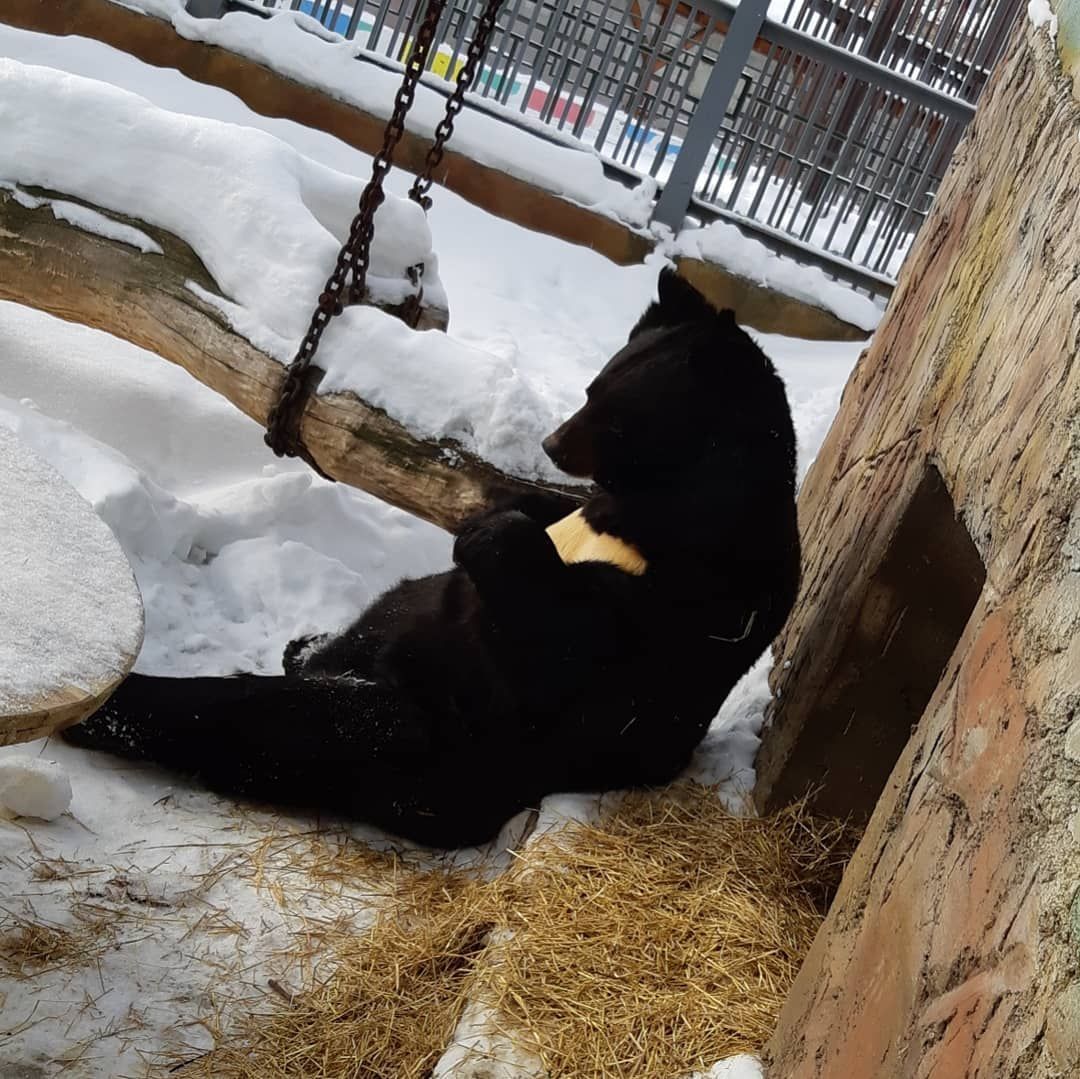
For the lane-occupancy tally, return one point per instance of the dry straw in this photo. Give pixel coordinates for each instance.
(29, 947)
(648, 945)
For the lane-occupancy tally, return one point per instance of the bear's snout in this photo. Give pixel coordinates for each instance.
(570, 448)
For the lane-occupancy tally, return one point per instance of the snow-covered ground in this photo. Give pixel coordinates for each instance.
(189, 897)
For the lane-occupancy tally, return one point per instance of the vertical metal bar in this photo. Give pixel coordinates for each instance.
(544, 46)
(583, 64)
(334, 18)
(830, 192)
(627, 71)
(948, 28)
(632, 129)
(885, 202)
(978, 59)
(526, 44)
(559, 79)
(889, 50)
(734, 141)
(894, 201)
(381, 12)
(957, 51)
(441, 31)
(813, 165)
(594, 88)
(504, 55)
(782, 90)
(919, 29)
(510, 70)
(679, 105)
(414, 14)
(354, 19)
(467, 18)
(906, 129)
(648, 76)
(824, 78)
(498, 50)
(861, 166)
(903, 227)
(808, 156)
(742, 33)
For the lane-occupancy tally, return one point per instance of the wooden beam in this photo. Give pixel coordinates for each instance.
(143, 298)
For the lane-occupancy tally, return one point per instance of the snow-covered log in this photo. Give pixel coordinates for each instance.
(208, 243)
(142, 284)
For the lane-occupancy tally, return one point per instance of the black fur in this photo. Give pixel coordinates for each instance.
(456, 700)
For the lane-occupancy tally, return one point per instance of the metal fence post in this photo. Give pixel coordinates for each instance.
(709, 115)
(207, 9)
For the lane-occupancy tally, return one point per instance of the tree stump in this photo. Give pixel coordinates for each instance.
(71, 619)
(929, 676)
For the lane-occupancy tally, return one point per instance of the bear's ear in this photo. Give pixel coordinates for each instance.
(678, 303)
(679, 300)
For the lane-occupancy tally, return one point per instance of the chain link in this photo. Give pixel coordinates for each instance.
(455, 103)
(348, 280)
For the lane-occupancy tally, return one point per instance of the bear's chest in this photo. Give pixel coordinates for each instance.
(576, 541)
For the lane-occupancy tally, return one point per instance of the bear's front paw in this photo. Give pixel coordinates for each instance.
(505, 542)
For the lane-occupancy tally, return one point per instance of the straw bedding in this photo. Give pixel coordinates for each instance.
(648, 945)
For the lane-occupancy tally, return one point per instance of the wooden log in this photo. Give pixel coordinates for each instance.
(950, 949)
(144, 298)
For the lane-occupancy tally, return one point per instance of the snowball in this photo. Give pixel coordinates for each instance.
(742, 1066)
(32, 787)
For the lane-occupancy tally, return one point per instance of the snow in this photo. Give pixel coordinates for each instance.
(299, 47)
(34, 787)
(1041, 14)
(727, 245)
(239, 197)
(87, 219)
(71, 615)
(235, 552)
(742, 1066)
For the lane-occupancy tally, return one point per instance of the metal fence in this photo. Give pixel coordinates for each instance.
(823, 125)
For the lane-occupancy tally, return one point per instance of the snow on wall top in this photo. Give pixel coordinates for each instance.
(300, 47)
(728, 246)
(70, 614)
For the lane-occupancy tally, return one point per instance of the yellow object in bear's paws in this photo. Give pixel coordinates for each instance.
(576, 541)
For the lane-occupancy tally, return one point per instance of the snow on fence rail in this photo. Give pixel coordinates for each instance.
(830, 126)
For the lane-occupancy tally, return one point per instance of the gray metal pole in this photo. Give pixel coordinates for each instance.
(709, 115)
(207, 9)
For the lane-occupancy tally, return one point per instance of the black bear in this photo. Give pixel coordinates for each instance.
(580, 651)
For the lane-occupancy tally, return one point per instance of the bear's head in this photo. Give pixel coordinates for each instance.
(688, 383)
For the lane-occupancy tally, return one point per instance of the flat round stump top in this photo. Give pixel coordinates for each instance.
(71, 619)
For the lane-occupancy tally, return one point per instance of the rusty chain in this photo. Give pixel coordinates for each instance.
(283, 420)
(455, 103)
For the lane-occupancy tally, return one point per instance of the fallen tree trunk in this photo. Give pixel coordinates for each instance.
(52, 265)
